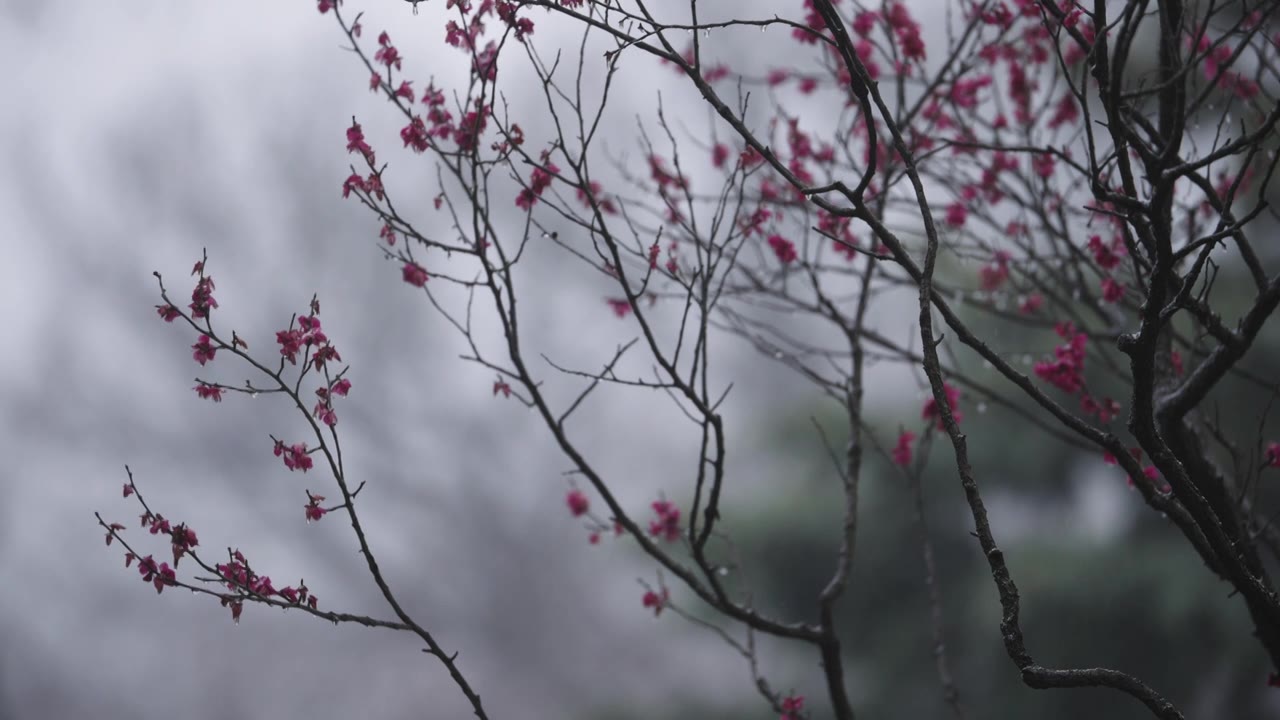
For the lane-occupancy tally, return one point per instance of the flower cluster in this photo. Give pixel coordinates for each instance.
(371, 186)
(902, 450)
(312, 509)
(181, 538)
(783, 249)
(301, 339)
(994, 274)
(1066, 370)
(620, 306)
(414, 274)
(656, 600)
(667, 523)
(387, 54)
(1216, 66)
(792, 706)
(930, 410)
(296, 456)
(592, 195)
(356, 142)
(577, 502)
(243, 581)
(539, 181)
(323, 410)
(160, 575)
(209, 392)
(202, 300)
(204, 351)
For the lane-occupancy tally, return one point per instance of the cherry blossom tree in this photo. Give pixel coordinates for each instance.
(1053, 208)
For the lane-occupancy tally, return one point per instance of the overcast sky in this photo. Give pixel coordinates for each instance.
(138, 134)
(135, 135)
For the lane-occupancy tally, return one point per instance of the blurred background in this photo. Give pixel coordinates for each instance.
(138, 134)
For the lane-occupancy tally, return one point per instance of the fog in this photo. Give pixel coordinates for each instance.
(137, 136)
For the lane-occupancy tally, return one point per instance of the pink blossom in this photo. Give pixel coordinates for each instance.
(620, 306)
(469, 129)
(387, 53)
(930, 409)
(719, 154)
(792, 706)
(159, 525)
(415, 135)
(484, 65)
(1272, 454)
(1107, 256)
(593, 194)
(716, 73)
(1066, 371)
(864, 22)
(112, 529)
(1065, 113)
(996, 273)
(202, 297)
(182, 539)
(964, 92)
(324, 354)
(783, 248)
(577, 502)
(168, 313)
(405, 91)
(356, 142)
(353, 182)
(310, 324)
(667, 524)
(324, 412)
(295, 456)
(1106, 409)
(312, 509)
(204, 351)
(1043, 165)
(664, 178)
(414, 274)
(291, 342)
(1112, 291)
(755, 223)
(653, 600)
(539, 181)
(902, 451)
(209, 392)
(158, 575)
(906, 30)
